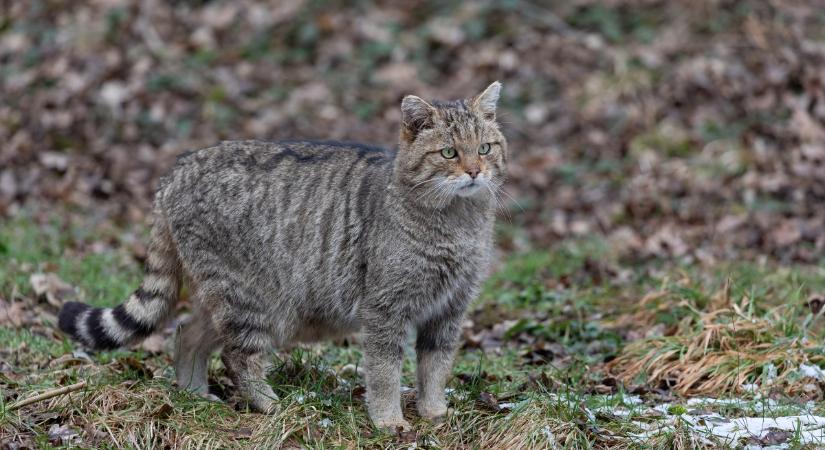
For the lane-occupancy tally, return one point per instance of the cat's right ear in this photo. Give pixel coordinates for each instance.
(416, 115)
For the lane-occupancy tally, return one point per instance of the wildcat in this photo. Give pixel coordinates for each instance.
(298, 241)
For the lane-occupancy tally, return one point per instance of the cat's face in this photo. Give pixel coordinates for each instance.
(452, 149)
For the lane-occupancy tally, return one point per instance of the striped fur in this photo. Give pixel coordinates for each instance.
(296, 241)
(141, 313)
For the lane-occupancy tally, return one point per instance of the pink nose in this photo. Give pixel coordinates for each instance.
(472, 172)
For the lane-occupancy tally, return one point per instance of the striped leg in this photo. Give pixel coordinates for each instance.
(246, 333)
(435, 348)
(248, 372)
(383, 354)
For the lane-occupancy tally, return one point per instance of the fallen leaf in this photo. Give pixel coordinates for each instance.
(774, 436)
(406, 437)
(815, 303)
(132, 363)
(163, 411)
(51, 288)
(242, 433)
(63, 435)
(13, 314)
(489, 401)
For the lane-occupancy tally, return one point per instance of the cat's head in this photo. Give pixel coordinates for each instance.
(451, 149)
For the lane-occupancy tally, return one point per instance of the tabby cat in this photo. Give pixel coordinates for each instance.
(298, 241)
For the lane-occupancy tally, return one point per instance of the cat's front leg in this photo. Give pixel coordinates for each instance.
(383, 354)
(435, 348)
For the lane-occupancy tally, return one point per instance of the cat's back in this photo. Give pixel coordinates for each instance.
(241, 196)
(279, 160)
(237, 170)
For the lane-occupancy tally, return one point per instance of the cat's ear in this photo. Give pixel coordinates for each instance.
(485, 103)
(416, 115)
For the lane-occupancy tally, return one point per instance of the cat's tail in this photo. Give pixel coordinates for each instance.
(143, 312)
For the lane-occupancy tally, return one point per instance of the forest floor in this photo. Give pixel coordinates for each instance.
(662, 268)
(567, 347)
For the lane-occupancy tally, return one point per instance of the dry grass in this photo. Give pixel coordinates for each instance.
(696, 342)
(719, 348)
(152, 415)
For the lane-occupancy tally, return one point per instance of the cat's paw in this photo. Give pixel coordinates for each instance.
(266, 406)
(433, 413)
(393, 425)
(258, 403)
(210, 397)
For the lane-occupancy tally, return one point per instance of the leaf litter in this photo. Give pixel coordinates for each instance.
(694, 146)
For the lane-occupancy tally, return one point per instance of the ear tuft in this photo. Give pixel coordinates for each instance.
(416, 115)
(485, 103)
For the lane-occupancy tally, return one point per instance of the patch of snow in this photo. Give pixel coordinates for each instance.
(810, 429)
(551, 438)
(758, 406)
(769, 371)
(632, 400)
(750, 387)
(767, 404)
(618, 411)
(325, 423)
(717, 401)
(662, 408)
(810, 370)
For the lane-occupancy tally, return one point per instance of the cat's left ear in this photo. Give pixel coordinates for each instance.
(485, 103)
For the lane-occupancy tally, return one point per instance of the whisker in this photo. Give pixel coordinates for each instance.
(430, 188)
(499, 204)
(503, 191)
(425, 181)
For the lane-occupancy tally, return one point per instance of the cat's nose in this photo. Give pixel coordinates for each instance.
(472, 172)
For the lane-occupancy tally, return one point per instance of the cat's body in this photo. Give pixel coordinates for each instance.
(299, 241)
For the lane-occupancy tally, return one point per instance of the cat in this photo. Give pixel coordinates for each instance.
(299, 241)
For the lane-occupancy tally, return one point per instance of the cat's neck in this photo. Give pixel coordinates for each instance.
(455, 211)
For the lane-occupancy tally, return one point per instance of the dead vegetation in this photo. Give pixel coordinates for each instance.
(680, 132)
(663, 237)
(729, 346)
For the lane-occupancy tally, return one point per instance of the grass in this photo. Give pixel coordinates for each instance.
(581, 357)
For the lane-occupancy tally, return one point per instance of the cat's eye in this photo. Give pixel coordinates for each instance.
(448, 152)
(483, 149)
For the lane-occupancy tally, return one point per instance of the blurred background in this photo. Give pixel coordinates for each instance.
(662, 236)
(673, 130)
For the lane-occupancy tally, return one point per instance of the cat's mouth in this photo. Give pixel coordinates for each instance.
(469, 188)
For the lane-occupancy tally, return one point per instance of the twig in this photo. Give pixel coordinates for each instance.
(47, 395)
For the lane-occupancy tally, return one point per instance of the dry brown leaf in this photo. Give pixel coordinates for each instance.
(12, 314)
(51, 288)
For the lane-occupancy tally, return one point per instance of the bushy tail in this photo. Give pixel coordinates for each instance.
(142, 313)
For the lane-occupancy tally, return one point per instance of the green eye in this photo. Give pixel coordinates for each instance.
(448, 152)
(483, 149)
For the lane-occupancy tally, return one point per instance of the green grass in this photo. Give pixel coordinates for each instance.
(26, 247)
(565, 295)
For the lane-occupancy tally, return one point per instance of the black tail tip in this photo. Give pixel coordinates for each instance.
(67, 319)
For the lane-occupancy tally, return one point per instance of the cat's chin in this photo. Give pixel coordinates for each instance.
(470, 190)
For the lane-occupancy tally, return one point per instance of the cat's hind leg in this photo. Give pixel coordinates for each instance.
(246, 332)
(195, 341)
(248, 371)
